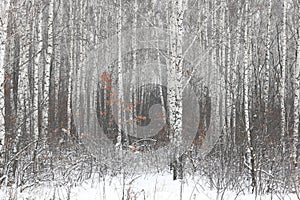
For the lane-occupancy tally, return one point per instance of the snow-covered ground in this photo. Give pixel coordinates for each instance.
(138, 187)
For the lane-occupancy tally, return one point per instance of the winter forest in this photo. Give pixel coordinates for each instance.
(130, 99)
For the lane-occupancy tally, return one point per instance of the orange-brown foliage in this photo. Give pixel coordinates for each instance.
(105, 76)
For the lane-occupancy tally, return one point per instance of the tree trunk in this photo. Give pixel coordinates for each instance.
(175, 87)
(51, 90)
(250, 150)
(296, 111)
(282, 82)
(64, 76)
(9, 66)
(120, 138)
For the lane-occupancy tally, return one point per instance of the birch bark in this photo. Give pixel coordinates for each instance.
(267, 69)
(175, 74)
(3, 10)
(120, 79)
(282, 81)
(247, 66)
(296, 107)
(134, 60)
(52, 73)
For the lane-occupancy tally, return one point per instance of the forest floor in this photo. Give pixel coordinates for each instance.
(159, 186)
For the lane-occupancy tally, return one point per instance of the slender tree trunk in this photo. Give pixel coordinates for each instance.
(52, 76)
(3, 9)
(9, 114)
(120, 78)
(134, 68)
(214, 66)
(250, 154)
(228, 100)
(282, 81)
(175, 87)
(296, 111)
(64, 75)
(32, 104)
(267, 69)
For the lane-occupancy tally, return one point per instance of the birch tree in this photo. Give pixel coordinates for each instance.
(134, 60)
(282, 80)
(120, 77)
(51, 90)
(175, 75)
(9, 114)
(267, 69)
(296, 109)
(3, 10)
(250, 153)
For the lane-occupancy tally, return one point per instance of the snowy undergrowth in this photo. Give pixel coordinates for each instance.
(154, 186)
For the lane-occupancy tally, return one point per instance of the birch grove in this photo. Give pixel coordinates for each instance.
(204, 87)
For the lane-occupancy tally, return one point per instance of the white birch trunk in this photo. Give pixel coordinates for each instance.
(160, 71)
(37, 69)
(49, 53)
(120, 78)
(296, 106)
(267, 69)
(44, 69)
(172, 67)
(228, 97)
(268, 51)
(133, 80)
(175, 89)
(282, 80)
(214, 69)
(205, 46)
(3, 9)
(37, 74)
(249, 150)
(223, 86)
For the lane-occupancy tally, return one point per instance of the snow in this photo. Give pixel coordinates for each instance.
(158, 186)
